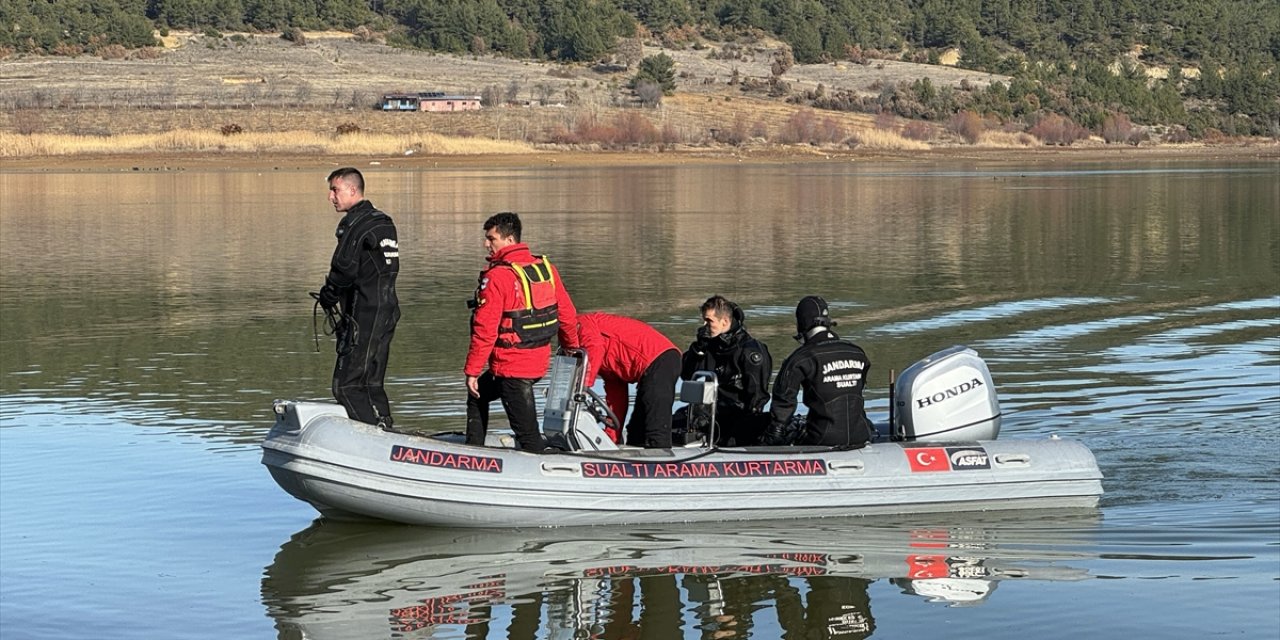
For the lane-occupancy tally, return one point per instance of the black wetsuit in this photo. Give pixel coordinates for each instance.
(742, 366)
(362, 273)
(832, 373)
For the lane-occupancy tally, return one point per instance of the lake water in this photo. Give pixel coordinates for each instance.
(147, 320)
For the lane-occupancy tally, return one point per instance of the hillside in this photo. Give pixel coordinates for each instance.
(264, 83)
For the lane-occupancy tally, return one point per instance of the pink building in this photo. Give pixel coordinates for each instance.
(429, 101)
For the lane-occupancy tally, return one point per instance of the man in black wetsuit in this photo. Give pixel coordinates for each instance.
(361, 286)
(832, 373)
(742, 366)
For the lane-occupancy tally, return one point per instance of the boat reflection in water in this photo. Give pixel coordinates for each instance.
(349, 580)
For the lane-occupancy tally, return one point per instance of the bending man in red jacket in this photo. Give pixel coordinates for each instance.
(519, 305)
(624, 351)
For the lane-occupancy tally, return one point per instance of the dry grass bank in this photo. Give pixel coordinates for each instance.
(284, 142)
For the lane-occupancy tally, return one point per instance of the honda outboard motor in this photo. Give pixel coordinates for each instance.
(946, 397)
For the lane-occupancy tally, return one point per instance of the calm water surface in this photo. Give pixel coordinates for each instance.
(147, 320)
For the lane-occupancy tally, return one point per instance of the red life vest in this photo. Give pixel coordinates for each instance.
(535, 324)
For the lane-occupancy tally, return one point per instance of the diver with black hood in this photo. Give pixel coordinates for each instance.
(359, 295)
(742, 366)
(832, 373)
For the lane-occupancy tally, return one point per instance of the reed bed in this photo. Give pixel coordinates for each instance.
(884, 140)
(1007, 139)
(14, 145)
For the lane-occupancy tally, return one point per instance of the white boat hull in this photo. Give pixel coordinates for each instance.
(347, 469)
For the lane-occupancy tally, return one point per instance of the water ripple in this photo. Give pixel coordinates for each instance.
(982, 314)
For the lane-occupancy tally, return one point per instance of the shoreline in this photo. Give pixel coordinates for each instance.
(298, 161)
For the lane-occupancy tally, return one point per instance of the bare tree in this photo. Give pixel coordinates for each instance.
(543, 91)
(649, 93)
(302, 93)
(491, 96)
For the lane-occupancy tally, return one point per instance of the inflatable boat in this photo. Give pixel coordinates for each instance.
(938, 451)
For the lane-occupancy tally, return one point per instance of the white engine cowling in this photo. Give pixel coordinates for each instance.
(946, 397)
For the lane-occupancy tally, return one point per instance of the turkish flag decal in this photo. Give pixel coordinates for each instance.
(928, 459)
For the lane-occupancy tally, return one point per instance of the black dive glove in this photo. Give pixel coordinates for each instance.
(774, 436)
(329, 297)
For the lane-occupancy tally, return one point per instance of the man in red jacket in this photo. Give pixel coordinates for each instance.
(519, 305)
(623, 351)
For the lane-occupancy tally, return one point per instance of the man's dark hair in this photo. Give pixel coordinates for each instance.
(720, 305)
(348, 174)
(507, 224)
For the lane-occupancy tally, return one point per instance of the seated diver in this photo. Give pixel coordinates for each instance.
(832, 373)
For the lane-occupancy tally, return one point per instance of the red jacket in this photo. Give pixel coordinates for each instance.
(619, 349)
(499, 292)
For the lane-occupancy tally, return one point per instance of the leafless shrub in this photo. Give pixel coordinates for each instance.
(736, 134)
(917, 130)
(678, 37)
(846, 100)
(607, 67)
(856, 54)
(635, 128)
(27, 121)
(68, 49)
(543, 92)
(800, 127)
(968, 125)
(830, 131)
(886, 121)
(670, 134)
(147, 53)
(1058, 130)
(294, 35)
(559, 133)
(491, 96)
(364, 34)
(649, 93)
(348, 128)
(1177, 135)
(1116, 127)
(759, 129)
(112, 52)
(231, 129)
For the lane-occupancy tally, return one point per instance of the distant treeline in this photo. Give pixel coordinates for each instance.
(1059, 51)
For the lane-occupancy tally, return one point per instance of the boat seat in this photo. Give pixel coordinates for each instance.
(567, 422)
